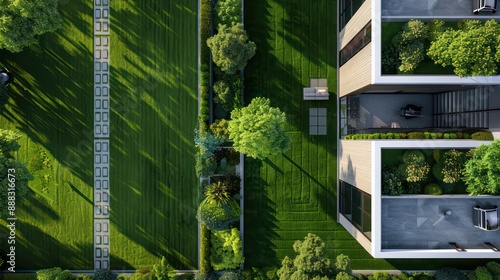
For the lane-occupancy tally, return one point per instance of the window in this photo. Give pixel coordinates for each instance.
(355, 205)
(347, 9)
(363, 38)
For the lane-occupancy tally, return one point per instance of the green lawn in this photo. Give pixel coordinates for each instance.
(154, 104)
(52, 106)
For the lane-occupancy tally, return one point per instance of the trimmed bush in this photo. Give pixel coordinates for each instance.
(482, 135)
(408, 155)
(226, 250)
(205, 266)
(217, 217)
(447, 188)
(54, 273)
(433, 189)
(415, 135)
(104, 274)
(437, 171)
(449, 273)
(205, 276)
(436, 154)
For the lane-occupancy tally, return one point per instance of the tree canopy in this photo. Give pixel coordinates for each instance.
(10, 165)
(231, 48)
(472, 50)
(258, 130)
(21, 21)
(482, 170)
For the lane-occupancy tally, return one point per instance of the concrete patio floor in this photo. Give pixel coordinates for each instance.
(418, 222)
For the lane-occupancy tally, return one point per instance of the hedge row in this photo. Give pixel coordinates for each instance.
(480, 135)
(204, 114)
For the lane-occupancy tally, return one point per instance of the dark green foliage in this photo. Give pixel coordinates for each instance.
(217, 217)
(104, 274)
(83, 277)
(54, 273)
(309, 263)
(205, 166)
(447, 188)
(413, 188)
(391, 181)
(390, 60)
(205, 266)
(482, 135)
(434, 29)
(483, 274)
(226, 251)
(482, 170)
(493, 268)
(230, 154)
(231, 183)
(449, 273)
(230, 275)
(205, 276)
(205, 12)
(226, 90)
(4, 97)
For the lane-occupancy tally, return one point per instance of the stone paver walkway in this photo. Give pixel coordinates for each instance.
(101, 134)
(317, 121)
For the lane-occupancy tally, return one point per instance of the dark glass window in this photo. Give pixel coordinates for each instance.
(355, 205)
(363, 38)
(347, 9)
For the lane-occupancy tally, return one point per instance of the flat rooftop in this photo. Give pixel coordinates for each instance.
(431, 9)
(418, 222)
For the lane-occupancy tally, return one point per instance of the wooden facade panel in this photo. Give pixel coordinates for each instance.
(356, 73)
(355, 163)
(357, 22)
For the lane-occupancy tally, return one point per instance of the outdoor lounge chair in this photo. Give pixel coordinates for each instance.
(486, 218)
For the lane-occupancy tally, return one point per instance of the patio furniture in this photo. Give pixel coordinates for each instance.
(457, 247)
(486, 218)
(317, 90)
(491, 246)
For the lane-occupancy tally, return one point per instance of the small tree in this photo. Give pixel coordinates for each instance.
(411, 45)
(309, 262)
(231, 48)
(163, 270)
(226, 251)
(482, 170)
(24, 20)
(453, 166)
(258, 129)
(417, 169)
(472, 50)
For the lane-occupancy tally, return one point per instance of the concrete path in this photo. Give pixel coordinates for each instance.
(101, 134)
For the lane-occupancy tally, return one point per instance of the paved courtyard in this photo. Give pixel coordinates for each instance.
(460, 9)
(419, 223)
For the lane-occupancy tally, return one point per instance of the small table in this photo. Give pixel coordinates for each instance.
(317, 121)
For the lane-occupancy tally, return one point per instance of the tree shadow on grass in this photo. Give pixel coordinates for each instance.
(260, 220)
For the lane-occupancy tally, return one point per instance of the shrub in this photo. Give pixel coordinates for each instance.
(482, 135)
(343, 264)
(449, 273)
(433, 189)
(219, 129)
(226, 251)
(389, 135)
(230, 275)
(417, 169)
(205, 166)
(403, 135)
(206, 143)
(402, 171)
(410, 56)
(437, 171)
(434, 29)
(381, 275)
(390, 60)
(228, 12)
(163, 270)
(391, 182)
(231, 183)
(409, 154)
(226, 90)
(218, 217)
(413, 188)
(493, 268)
(436, 154)
(104, 274)
(53, 273)
(453, 165)
(482, 273)
(231, 48)
(83, 277)
(344, 276)
(205, 276)
(465, 135)
(415, 135)
(217, 193)
(482, 170)
(205, 266)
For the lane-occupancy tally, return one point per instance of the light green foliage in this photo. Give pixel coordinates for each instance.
(472, 50)
(433, 189)
(411, 46)
(231, 48)
(23, 20)
(20, 175)
(309, 263)
(219, 129)
(482, 170)
(344, 276)
(217, 217)
(434, 29)
(417, 169)
(483, 274)
(226, 251)
(163, 270)
(83, 277)
(343, 264)
(217, 193)
(205, 266)
(55, 273)
(230, 275)
(381, 275)
(258, 130)
(453, 166)
(482, 135)
(228, 11)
